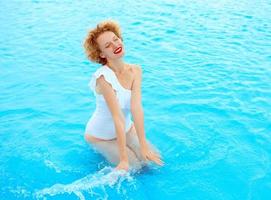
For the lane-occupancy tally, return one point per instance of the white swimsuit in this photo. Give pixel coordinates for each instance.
(101, 124)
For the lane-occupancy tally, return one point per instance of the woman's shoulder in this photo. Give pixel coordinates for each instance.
(97, 75)
(100, 70)
(134, 68)
(136, 72)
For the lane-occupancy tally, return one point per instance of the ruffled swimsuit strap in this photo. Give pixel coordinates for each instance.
(109, 77)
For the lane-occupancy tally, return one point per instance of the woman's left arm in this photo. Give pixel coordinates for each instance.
(137, 108)
(138, 115)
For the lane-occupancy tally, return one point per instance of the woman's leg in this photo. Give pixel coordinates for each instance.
(133, 142)
(110, 150)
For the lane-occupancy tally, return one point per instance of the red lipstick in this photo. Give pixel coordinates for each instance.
(118, 50)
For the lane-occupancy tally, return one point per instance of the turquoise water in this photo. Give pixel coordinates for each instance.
(206, 97)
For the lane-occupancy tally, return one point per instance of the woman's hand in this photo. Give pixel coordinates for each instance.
(148, 154)
(123, 165)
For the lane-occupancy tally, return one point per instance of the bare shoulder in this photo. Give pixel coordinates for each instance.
(136, 70)
(137, 77)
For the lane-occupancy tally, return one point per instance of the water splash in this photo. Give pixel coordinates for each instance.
(107, 176)
(51, 165)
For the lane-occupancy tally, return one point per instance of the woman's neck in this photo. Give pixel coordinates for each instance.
(117, 66)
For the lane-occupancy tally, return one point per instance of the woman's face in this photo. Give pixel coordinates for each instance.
(110, 45)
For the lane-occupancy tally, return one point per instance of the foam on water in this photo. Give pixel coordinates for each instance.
(107, 176)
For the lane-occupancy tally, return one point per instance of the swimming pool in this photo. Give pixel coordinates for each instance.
(206, 97)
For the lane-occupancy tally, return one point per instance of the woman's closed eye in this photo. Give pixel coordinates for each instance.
(108, 45)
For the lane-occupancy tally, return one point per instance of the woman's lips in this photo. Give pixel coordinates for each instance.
(118, 50)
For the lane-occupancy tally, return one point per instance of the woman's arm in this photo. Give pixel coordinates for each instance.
(136, 106)
(117, 115)
(138, 115)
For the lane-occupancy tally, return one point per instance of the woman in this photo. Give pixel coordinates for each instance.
(117, 87)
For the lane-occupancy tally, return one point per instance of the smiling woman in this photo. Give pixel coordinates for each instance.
(91, 44)
(117, 87)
